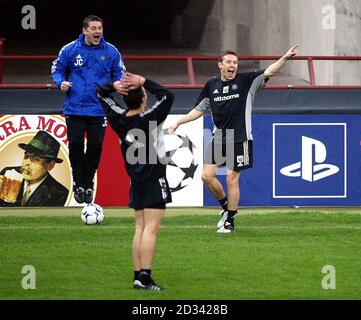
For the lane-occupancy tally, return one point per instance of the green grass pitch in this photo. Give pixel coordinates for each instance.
(273, 254)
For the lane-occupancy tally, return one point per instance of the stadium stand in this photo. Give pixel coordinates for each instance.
(29, 77)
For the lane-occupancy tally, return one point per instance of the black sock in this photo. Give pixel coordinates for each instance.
(146, 271)
(136, 275)
(231, 214)
(224, 203)
(144, 276)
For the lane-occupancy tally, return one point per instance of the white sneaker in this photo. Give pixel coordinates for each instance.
(226, 228)
(224, 215)
(138, 285)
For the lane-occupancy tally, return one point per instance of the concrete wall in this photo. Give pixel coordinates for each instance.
(270, 27)
(348, 41)
(197, 24)
(228, 27)
(307, 29)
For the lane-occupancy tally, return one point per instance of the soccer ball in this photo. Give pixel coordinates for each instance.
(92, 214)
(182, 166)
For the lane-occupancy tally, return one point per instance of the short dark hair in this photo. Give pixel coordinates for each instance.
(91, 18)
(134, 98)
(224, 53)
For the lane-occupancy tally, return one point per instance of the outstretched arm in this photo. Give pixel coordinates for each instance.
(190, 116)
(203, 105)
(276, 67)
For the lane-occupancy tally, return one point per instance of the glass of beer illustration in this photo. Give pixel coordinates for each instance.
(11, 186)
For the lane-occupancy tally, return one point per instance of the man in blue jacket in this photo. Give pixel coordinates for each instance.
(81, 66)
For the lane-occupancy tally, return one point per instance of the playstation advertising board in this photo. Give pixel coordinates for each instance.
(304, 160)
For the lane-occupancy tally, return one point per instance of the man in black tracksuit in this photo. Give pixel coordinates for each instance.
(230, 97)
(144, 154)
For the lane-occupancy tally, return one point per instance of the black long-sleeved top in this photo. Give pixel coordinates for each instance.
(141, 135)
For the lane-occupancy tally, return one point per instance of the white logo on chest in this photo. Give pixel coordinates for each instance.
(79, 61)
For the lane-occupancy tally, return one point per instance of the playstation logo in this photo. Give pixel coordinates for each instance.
(311, 167)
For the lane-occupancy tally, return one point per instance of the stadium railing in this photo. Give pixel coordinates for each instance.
(189, 59)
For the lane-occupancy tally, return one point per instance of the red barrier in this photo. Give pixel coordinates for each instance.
(2, 40)
(113, 181)
(190, 69)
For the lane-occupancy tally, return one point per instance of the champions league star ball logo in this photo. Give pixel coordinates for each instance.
(182, 165)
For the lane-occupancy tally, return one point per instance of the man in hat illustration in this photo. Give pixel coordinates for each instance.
(39, 188)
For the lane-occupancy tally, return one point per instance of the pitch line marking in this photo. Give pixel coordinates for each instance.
(181, 227)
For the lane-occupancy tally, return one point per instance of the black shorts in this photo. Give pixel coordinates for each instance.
(236, 157)
(153, 193)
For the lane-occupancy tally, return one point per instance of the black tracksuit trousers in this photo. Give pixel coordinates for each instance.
(84, 163)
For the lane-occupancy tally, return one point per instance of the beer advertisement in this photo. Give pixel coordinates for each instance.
(34, 161)
(35, 168)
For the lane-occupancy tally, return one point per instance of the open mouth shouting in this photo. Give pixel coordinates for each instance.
(93, 33)
(96, 38)
(228, 67)
(231, 73)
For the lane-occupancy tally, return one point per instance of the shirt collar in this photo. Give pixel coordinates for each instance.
(33, 186)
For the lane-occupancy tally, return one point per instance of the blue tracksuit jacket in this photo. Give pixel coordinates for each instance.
(86, 67)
